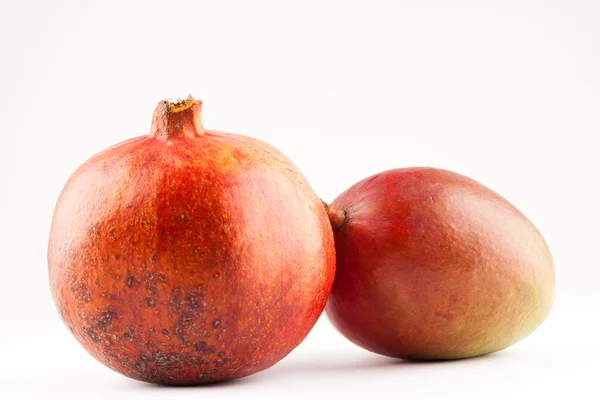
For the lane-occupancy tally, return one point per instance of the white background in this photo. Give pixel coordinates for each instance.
(507, 92)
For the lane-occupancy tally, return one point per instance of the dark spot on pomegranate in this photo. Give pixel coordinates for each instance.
(207, 374)
(92, 334)
(150, 345)
(216, 323)
(130, 281)
(160, 363)
(165, 332)
(190, 305)
(204, 348)
(150, 302)
(196, 361)
(192, 301)
(221, 354)
(105, 319)
(180, 330)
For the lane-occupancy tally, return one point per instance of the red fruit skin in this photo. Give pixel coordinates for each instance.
(433, 265)
(189, 256)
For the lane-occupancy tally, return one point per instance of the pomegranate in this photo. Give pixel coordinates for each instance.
(433, 265)
(189, 256)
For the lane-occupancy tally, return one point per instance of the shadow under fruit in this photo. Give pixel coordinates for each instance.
(189, 256)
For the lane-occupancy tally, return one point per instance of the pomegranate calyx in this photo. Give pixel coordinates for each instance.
(177, 119)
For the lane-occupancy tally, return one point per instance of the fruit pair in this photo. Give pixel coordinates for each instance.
(192, 256)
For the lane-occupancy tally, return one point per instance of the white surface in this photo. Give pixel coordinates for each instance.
(506, 92)
(560, 360)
